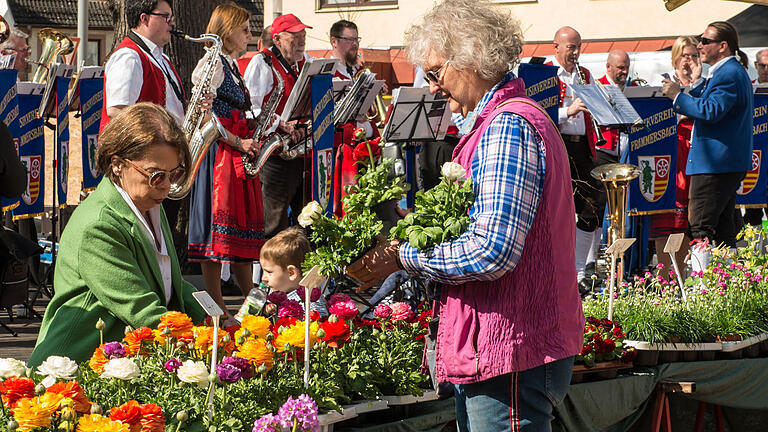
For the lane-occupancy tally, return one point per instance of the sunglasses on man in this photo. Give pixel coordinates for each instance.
(707, 41)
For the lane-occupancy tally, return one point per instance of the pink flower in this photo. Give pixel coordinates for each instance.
(277, 297)
(703, 291)
(345, 310)
(291, 308)
(338, 297)
(382, 311)
(659, 266)
(401, 312)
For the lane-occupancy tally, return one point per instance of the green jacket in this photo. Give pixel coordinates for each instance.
(106, 268)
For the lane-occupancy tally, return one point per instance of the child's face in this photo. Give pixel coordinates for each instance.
(278, 278)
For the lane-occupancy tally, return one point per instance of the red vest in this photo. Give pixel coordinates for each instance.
(153, 85)
(288, 80)
(591, 134)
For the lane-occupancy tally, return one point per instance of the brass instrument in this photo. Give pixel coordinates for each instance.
(199, 135)
(278, 144)
(5, 30)
(638, 81)
(263, 122)
(616, 179)
(379, 108)
(54, 44)
(599, 140)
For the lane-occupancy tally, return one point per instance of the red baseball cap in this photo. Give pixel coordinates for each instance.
(287, 22)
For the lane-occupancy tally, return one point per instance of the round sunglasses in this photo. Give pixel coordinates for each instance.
(156, 178)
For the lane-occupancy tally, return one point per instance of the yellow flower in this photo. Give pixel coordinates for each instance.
(98, 423)
(256, 351)
(259, 326)
(294, 336)
(36, 412)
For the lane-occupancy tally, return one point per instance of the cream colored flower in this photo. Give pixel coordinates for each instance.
(194, 372)
(11, 367)
(58, 367)
(453, 171)
(308, 213)
(121, 368)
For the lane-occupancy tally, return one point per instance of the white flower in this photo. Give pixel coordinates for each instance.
(58, 367)
(308, 213)
(453, 171)
(11, 367)
(121, 368)
(193, 372)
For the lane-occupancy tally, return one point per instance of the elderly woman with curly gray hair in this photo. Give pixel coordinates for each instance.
(510, 317)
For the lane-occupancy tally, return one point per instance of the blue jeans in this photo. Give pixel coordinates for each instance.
(515, 401)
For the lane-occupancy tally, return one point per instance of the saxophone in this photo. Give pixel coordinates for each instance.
(200, 136)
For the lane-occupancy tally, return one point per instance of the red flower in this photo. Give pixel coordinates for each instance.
(586, 349)
(360, 153)
(336, 333)
(14, 389)
(618, 333)
(152, 418)
(283, 322)
(314, 315)
(73, 391)
(129, 413)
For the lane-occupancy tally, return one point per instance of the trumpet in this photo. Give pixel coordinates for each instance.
(54, 43)
(583, 81)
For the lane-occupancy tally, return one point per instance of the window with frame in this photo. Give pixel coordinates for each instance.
(347, 3)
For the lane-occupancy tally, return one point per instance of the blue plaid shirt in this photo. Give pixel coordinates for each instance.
(508, 178)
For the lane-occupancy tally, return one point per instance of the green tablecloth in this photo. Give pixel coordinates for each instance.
(614, 405)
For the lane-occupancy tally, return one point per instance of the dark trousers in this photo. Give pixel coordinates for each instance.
(281, 188)
(712, 198)
(586, 189)
(603, 158)
(754, 216)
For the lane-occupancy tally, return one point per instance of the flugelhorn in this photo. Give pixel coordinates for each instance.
(54, 43)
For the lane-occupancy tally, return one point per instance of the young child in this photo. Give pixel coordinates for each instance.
(281, 258)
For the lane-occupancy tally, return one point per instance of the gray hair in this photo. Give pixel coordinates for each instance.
(472, 34)
(9, 44)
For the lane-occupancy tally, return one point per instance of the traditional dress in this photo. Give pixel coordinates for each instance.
(226, 220)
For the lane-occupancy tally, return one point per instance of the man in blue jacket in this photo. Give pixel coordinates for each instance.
(721, 146)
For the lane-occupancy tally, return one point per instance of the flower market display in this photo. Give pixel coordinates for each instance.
(160, 379)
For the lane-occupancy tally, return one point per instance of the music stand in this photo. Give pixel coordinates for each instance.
(84, 72)
(358, 100)
(48, 103)
(608, 105)
(417, 115)
(299, 103)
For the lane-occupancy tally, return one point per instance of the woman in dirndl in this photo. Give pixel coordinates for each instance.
(226, 222)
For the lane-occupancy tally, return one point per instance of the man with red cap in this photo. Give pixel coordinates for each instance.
(281, 180)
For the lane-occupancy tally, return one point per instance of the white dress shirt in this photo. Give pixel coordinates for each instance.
(573, 125)
(125, 78)
(163, 259)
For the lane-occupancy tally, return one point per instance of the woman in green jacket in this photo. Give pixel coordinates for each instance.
(116, 259)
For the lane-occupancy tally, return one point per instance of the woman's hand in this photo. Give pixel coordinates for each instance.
(378, 263)
(250, 147)
(207, 102)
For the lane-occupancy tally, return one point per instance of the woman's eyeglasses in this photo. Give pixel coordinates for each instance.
(433, 76)
(156, 178)
(707, 41)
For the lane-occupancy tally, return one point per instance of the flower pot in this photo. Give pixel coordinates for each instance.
(732, 355)
(669, 356)
(647, 358)
(689, 356)
(606, 374)
(729, 338)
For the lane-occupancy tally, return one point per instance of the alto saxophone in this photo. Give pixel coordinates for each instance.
(276, 142)
(200, 136)
(582, 80)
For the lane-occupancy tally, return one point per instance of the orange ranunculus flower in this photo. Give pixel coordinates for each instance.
(256, 351)
(179, 324)
(135, 339)
(204, 337)
(152, 418)
(36, 412)
(259, 326)
(294, 336)
(16, 388)
(73, 391)
(128, 413)
(99, 423)
(98, 360)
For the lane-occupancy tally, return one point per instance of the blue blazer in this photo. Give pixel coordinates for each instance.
(722, 129)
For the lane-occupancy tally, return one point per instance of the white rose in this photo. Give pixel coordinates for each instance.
(453, 171)
(308, 213)
(121, 368)
(58, 367)
(194, 372)
(11, 367)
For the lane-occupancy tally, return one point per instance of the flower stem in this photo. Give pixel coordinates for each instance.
(370, 154)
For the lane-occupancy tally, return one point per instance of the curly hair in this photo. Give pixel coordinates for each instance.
(472, 34)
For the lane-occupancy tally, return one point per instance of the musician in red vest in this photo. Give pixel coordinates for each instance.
(138, 71)
(281, 180)
(575, 125)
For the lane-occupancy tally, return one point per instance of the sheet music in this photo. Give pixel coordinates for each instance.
(353, 98)
(7, 61)
(299, 104)
(607, 104)
(408, 121)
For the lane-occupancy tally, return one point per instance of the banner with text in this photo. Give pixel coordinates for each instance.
(9, 114)
(32, 154)
(653, 149)
(321, 87)
(62, 139)
(752, 191)
(91, 94)
(541, 85)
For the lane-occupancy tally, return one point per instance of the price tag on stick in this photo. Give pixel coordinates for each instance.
(616, 250)
(311, 281)
(211, 308)
(673, 245)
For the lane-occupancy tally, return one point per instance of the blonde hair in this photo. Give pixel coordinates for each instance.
(678, 46)
(471, 34)
(225, 19)
(288, 247)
